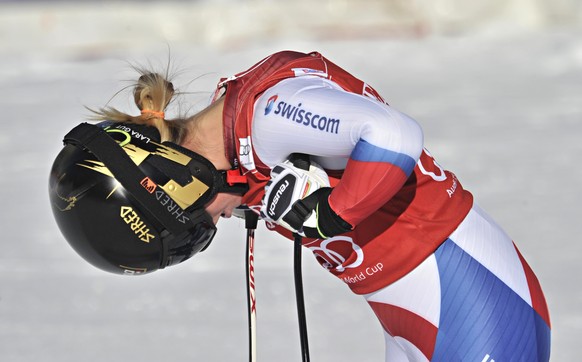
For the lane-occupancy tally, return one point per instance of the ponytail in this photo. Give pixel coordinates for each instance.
(152, 93)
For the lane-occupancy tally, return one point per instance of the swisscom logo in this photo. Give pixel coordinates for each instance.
(302, 116)
(270, 104)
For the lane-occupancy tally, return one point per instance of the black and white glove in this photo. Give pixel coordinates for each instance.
(295, 191)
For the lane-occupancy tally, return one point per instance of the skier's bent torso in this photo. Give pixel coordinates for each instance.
(446, 283)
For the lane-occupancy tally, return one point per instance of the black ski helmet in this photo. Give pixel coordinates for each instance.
(130, 204)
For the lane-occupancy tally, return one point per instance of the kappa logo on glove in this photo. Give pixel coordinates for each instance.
(279, 201)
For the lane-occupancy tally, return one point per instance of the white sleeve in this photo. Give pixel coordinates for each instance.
(315, 116)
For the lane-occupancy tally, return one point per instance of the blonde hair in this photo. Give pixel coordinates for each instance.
(152, 94)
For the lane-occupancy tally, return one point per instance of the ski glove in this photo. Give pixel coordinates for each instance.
(298, 188)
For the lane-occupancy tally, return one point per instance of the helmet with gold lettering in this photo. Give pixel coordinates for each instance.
(130, 204)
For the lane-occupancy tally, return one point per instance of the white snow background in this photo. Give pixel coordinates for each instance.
(500, 103)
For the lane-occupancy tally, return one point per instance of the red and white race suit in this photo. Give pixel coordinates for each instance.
(421, 252)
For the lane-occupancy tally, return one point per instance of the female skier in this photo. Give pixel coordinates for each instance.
(374, 207)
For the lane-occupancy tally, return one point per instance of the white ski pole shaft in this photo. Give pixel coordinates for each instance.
(251, 220)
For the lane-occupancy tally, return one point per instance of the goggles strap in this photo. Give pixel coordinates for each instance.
(232, 181)
(126, 172)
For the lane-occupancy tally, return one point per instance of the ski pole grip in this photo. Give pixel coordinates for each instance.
(300, 160)
(251, 219)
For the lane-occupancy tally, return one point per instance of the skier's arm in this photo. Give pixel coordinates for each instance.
(388, 147)
(380, 144)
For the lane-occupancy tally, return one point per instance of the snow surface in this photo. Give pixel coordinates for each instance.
(502, 109)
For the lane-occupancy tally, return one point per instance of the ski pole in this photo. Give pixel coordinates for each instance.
(299, 298)
(300, 160)
(251, 219)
